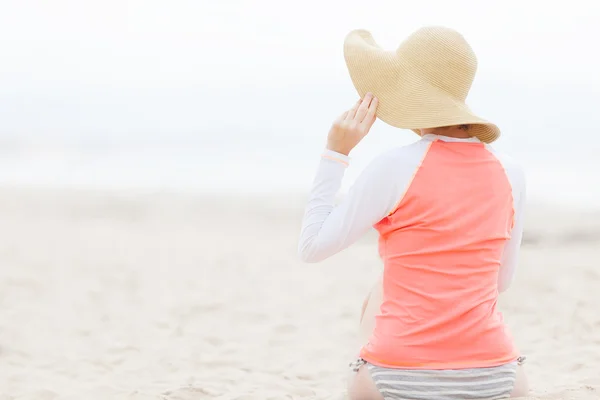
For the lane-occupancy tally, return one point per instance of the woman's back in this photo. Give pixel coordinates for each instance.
(442, 248)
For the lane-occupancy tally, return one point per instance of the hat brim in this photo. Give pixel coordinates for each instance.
(406, 100)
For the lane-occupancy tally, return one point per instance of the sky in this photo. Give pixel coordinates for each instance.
(177, 69)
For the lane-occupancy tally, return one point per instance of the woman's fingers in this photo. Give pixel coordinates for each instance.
(341, 117)
(363, 109)
(352, 126)
(372, 112)
(352, 112)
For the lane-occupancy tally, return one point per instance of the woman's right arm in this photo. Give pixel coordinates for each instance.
(328, 229)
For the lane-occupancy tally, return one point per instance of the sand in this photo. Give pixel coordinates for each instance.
(155, 296)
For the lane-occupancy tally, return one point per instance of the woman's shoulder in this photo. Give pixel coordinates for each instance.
(407, 155)
(509, 162)
(514, 169)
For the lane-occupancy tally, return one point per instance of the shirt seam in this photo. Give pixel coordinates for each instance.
(512, 189)
(412, 178)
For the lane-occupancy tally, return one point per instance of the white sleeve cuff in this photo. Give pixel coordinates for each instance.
(335, 156)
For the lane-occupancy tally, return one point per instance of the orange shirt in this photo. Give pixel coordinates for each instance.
(444, 242)
(442, 249)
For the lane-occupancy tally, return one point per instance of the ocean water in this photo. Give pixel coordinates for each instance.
(266, 140)
(253, 167)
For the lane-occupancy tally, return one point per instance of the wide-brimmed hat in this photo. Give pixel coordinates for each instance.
(423, 84)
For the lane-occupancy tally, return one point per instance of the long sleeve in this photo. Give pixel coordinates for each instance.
(329, 229)
(511, 252)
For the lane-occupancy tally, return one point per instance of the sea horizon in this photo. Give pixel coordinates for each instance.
(229, 168)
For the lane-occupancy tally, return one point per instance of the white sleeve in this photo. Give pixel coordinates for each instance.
(510, 255)
(328, 229)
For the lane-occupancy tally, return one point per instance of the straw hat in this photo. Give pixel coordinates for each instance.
(423, 84)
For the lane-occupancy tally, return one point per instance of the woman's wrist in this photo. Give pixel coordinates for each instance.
(338, 149)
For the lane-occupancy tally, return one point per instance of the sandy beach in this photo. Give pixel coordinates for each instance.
(155, 296)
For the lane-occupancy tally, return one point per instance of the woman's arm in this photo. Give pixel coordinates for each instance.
(510, 255)
(324, 231)
(327, 229)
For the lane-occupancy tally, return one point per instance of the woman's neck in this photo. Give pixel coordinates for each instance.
(458, 132)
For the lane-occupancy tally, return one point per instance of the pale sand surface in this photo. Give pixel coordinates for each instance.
(172, 297)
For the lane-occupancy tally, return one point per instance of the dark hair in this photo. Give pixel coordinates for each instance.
(464, 127)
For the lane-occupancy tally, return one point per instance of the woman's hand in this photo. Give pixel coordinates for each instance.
(353, 125)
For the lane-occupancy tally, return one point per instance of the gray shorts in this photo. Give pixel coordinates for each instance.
(453, 384)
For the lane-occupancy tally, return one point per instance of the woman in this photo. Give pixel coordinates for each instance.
(449, 212)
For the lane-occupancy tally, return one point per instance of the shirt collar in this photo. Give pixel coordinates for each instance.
(431, 137)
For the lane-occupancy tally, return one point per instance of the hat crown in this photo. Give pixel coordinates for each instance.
(442, 57)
